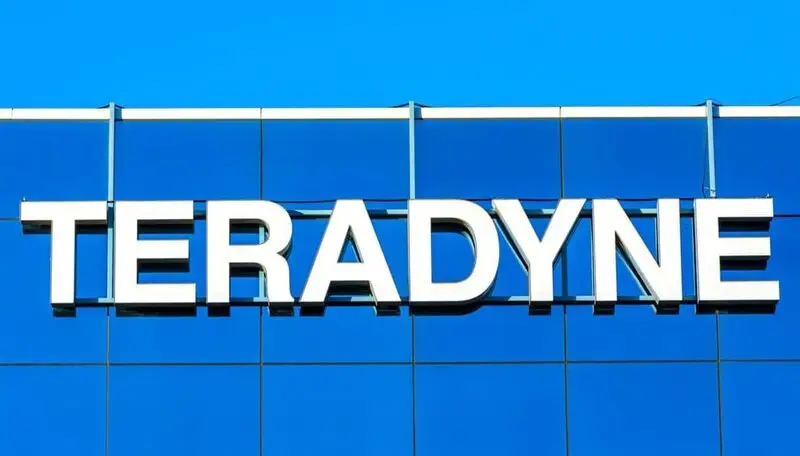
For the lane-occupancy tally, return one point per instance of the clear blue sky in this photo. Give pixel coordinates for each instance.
(58, 53)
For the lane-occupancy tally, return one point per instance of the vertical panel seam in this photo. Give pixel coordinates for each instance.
(564, 284)
(110, 163)
(262, 293)
(412, 191)
(712, 191)
(719, 385)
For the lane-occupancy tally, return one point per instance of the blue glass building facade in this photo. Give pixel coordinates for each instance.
(493, 381)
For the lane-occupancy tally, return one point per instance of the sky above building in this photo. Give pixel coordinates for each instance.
(368, 53)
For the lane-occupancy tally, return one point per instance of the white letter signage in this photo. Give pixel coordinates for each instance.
(62, 218)
(611, 228)
(658, 270)
(711, 249)
(129, 251)
(476, 223)
(267, 256)
(350, 219)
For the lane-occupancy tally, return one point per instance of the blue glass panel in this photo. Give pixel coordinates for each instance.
(352, 410)
(52, 161)
(52, 410)
(501, 409)
(633, 409)
(634, 332)
(487, 159)
(621, 158)
(28, 330)
(351, 159)
(189, 160)
(754, 158)
(636, 158)
(199, 338)
(496, 333)
(314, 160)
(761, 408)
(342, 334)
(775, 335)
(197, 410)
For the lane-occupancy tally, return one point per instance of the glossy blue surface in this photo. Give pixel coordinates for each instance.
(500, 409)
(313, 160)
(631, 409)
(357, 410)
(199, 410)
(756, 157)
(761, 407)
(187, 160)
(29, 332)
(48, 410)
(200, 161)
(51, 161)
(489, 381)
(200, 338)
(484, 159)
(327, 160)
(352, 334)
(634, 159)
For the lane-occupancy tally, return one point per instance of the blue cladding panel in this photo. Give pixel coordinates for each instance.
(487, 159)
(634, 159)
(28, 330)
(352, 410)
(480, 159)
(497, 333)
(757, 157)
(479, 410)
(308, 161)
(761, 408)
(634, 332)
(653, 409)
(189, 160)
(52, 410)
(184, 410)
(775, 335)
(200, 338)
(617, 158)
(51, 161)
(342, 334)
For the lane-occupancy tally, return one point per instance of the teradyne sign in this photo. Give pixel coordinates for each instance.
(612, 232)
